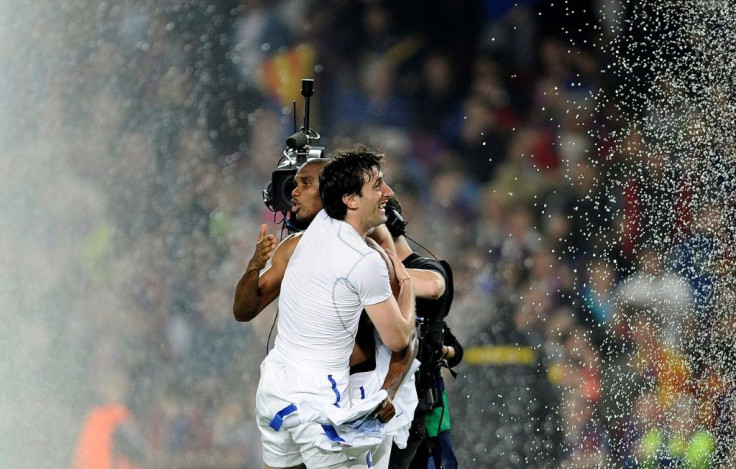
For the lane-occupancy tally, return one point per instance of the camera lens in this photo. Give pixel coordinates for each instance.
(282, 183)
(287, 185)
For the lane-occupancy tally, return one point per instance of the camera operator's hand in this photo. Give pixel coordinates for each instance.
(264, 250)
(386, 411)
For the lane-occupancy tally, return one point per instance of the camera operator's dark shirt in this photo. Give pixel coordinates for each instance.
(433, 331)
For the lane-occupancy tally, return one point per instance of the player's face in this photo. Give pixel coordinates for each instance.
(375, 194)
(305, 201)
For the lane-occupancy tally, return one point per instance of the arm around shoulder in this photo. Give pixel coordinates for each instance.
(428, 284)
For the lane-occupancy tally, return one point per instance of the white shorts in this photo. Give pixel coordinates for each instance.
(293, 432)
(365, 384)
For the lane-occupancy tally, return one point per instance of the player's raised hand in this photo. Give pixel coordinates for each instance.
(264, 249)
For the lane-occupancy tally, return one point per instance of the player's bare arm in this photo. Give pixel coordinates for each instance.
(394, 318)
(427, 283)
(255, 289)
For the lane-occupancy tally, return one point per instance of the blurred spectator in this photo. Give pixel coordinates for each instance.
(647, 366)
(112, 436)
(492, 210)
(661, 293)
(695, 258)
(586, 442)
(480, 134)
(673, 440)
(510, 29)
(376, 101)
(586, 439)
(510, 256)
(597, 292)
(259, 33)
(438, 96)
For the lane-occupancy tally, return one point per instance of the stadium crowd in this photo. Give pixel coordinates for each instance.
(570, 229)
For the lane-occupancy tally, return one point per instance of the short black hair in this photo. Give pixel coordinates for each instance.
(345, 174)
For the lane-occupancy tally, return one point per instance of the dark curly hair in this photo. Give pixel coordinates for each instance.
(345, 174)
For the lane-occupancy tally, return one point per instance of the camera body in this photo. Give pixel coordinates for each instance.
(277, 195)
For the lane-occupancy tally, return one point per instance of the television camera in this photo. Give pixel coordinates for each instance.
(299, 149)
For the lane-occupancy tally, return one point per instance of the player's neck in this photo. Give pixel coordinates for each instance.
(352, 219)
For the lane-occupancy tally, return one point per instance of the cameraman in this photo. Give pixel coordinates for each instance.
(429, 436)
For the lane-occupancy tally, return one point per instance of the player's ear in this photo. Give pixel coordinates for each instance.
(350, 201)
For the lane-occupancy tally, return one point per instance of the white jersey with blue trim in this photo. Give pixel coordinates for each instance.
(331, 276)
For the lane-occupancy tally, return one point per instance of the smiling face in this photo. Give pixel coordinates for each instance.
(351, 186)
(305, 201)
(371, 202)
